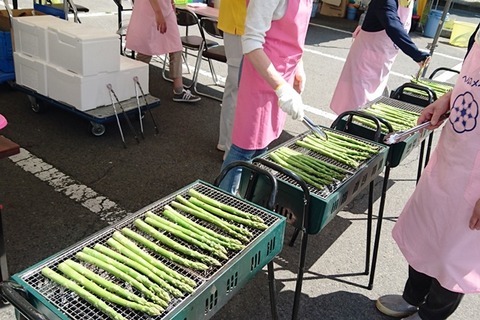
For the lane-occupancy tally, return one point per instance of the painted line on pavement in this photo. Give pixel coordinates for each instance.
(108, 210)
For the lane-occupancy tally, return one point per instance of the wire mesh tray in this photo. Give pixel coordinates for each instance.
(398, 151)
(327, 202)
(215, 286)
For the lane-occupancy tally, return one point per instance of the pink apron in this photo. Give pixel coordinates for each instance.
(432, 231)
(258, 118)
(142, 34)
(365, 72)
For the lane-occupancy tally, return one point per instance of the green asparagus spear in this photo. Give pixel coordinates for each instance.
(110, 286)
(176, 217)
(160, 292)
(142, 269)
(175, 245)
(223, 206)
(187, 238)
(187, 231)
(185, 205)
(220, 213)
(69, 284)
(105, 294)
(137, 252)
(164, 252)
(122, 275)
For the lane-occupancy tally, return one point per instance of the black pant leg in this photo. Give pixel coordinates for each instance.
(440, 303)
(417, 287)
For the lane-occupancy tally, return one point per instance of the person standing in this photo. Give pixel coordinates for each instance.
(231, 20)
(153, 30)
(376, 43)
(438, 229)
(272, 78)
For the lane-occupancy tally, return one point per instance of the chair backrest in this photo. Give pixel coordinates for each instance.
(210, 26)
(187, 18)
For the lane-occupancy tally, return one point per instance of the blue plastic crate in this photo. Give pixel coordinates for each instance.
(6, 52)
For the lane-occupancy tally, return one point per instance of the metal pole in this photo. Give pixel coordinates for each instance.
(448, 3)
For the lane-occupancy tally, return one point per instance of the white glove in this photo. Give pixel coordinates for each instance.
(290, 101)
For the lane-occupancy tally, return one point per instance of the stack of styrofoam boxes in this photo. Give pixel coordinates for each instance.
(73, 63)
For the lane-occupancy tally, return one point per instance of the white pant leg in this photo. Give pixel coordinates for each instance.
(233, 51)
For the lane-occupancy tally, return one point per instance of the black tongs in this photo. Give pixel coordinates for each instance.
(315, 129)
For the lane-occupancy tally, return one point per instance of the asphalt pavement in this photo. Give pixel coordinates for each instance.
(67, 184)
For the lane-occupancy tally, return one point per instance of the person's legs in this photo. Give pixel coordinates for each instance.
(231, 181)
(175, 68)
(433, 301)
(417, 287)
(233, 52)
(143, 57)
(440, 303)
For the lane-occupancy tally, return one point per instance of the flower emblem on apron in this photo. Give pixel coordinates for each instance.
(464, 113)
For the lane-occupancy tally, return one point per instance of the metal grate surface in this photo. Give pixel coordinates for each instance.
(329, 189)
(76, 308)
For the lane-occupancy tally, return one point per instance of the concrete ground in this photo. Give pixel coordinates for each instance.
(43, 216)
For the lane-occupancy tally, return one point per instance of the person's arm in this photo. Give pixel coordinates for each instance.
(159, 18)
(262, 64)
(474, 222)
(435, 110)
(389, 19)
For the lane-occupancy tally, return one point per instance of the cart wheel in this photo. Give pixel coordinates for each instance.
(35, 105)
(97, 129)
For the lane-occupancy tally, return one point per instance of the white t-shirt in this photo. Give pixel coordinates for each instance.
(260, 14)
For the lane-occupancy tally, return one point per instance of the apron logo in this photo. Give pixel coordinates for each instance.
(464, 113)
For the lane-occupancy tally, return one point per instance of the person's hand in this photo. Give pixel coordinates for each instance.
(290, 101)
(474, 222)
(434, 111)
(160, 20)
(299, 80)
(425, 63)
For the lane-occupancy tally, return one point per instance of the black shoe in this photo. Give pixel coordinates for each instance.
(185, 96)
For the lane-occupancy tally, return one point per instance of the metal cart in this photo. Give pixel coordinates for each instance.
(101, 115)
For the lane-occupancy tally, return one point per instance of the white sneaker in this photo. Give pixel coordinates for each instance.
(220, 147)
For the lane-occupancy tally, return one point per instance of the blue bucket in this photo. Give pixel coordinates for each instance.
(432, 23)
(351, 13)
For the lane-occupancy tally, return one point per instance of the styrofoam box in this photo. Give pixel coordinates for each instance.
(30, 34)
(89, 92)
(30, 72)
(83, 49)
(124, 85)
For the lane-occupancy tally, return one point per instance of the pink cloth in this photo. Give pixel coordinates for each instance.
(365, 73)
(3, 122)
(258, 118)
(142, 34)
(432, 231)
